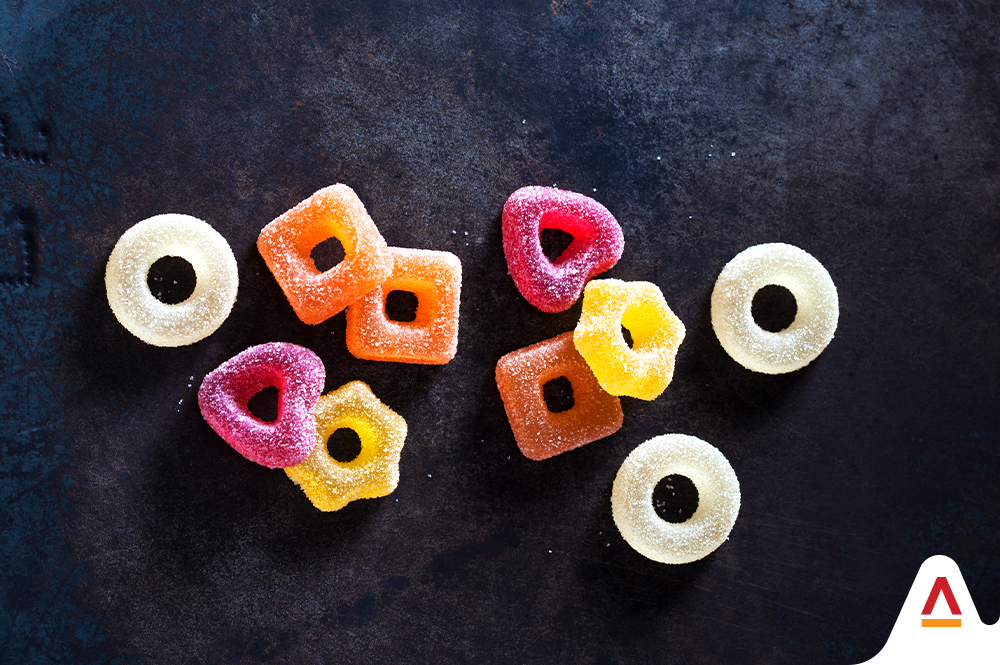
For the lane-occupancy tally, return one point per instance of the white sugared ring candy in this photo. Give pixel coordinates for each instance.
(817, 308)
(718, 499)
(137, 309)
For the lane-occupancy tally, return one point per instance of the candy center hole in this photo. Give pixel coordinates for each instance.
(675, 498)
(171, 280)
(554, 243)
(344, 445)
(264, 404)
(401, 306)
(558, 394)
(628, 336)
(327, 254)
(773, 308)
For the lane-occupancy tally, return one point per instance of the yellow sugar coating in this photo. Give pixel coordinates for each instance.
(718, 498)
(156, 322)
(645, 370)
(816, 302)
(331, 485)
(435, 278)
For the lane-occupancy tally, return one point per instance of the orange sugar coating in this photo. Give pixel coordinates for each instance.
(331, 485)
(540, 433)
(286, 243)
(644, 370)
(435, 278)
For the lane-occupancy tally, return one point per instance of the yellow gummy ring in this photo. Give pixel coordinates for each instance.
(331, 485)
(817, 308)
(644, 370)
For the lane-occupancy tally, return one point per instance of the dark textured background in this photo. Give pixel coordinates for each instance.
(865, 132)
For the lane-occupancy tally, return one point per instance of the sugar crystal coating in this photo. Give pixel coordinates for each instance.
(597, 244)
(331, 485)
(645, 370)
(286, 244)
(432, 337)
(296, 372)
(718, 498)
(521, 376)
(816, 302)
(156, 322)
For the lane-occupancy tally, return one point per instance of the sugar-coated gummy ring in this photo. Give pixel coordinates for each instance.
(817, 308)
(137, 309)
(644, 370)
(718, 498)
(330, 484)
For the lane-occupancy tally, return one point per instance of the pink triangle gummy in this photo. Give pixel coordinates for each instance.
(296, 372)
(553, 286)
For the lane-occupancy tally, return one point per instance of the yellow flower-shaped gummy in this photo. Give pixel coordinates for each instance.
(331, 485)
(644, 370)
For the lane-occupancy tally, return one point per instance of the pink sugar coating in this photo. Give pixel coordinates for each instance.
(597, 244)
(299, 375)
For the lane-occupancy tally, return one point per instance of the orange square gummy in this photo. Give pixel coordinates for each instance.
(286, 243)
(435, 278)
(539, 432)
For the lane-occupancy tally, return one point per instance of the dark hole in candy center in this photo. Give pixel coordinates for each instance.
(344, 445)
(401, 306)
(264, 405)
(171, 280)
(554, 243)
(628, 336)
(558, 395)
(327, 254)
(675, 498)
(773, 308)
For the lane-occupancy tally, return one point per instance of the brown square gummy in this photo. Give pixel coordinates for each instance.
(540, 433)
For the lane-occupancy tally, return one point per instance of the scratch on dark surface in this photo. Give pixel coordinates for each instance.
(58, 278)
(624, 568)
(797, 610)
(723, 622)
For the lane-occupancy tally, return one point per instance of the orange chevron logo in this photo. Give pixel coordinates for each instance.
(941, 587)
(939, 598)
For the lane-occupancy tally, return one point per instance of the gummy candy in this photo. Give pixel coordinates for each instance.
(432, 337)
(597, 244)
(298, 374)
(645, 370)
(286, 243)
(331, 485)
(540, 433)
(718, 498)
(816, 315)
(156, 322)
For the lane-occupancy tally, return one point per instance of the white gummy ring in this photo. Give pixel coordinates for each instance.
(137, 309)
(718, 499)
(817, 308)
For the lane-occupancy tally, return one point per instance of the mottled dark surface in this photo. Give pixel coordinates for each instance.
(865, 132)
